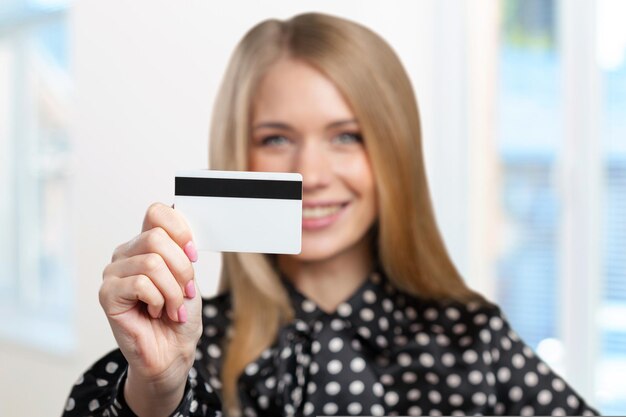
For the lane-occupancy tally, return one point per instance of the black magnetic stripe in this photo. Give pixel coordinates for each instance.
(238, 188)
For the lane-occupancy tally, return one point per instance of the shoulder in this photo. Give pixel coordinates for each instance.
(462, 323)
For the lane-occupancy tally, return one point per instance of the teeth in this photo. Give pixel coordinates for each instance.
(319, 212)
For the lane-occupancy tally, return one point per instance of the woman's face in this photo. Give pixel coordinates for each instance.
(301, 123)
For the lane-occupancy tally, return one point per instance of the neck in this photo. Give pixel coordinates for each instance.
(330, 281)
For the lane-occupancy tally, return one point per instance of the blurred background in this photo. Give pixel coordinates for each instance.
(523, 105)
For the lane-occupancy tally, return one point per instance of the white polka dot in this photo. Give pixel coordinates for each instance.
(207, 387)
(354, 408)
(587, 413)
(544, 397)
(311, 388)
(214, 351)
(80, 380)
(515, 394)
(470, 356)
(479, 398)
(309, 408)
(386, 379)
(415, 411)
(518, 361)
(103, 382)
(432, 378)
(383, 323)
(499, 409)
(448, 359)
(465, 341)
(387, 305)
(504, 375)
(369, 296)
(404, 359)
(453, 380)
(505, 342)
(543, 368)
(344, 309)
(422, 338)
(210, 311)
(558, 412)
(335, 344)
(377, 410)
(334, 367)
(528, 352)
(427, 360)
(378, 389)
(455, 400)
(193, 406)
(391, 398)
(70, 404)
(93, 405)
(111, 367)
(411, 314)
(270, 382)
(572, 401)
(558, 384)
(286, 353)
(381, 341)
(316, 346)
(367, 314)
(357, 365)
(356, 387)
(452, 313)
(333, 388)
(409, 377)
(527, 411)
(308, 306)
(442, 340)
(485, 336)
(491, 379)
(337, 325)
(495, 323)
(475, 377)
(330, 408)
(252, 369)
(480, 319)
(531, 379)
(314, 368)
(365, 332)
(459, 328)
(431, 314)
(434, 397)
(414, 394)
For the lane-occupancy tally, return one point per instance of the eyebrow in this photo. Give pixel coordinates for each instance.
(285, 126)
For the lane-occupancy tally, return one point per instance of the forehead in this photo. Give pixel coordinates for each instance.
(293, 90)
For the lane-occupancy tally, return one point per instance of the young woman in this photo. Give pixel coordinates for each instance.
(371, 318)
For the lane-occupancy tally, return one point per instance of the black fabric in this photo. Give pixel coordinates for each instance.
(382, 352)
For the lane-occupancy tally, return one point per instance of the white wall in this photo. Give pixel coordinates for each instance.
(146, 73)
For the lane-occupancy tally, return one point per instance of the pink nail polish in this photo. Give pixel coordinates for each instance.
(182, 314)
(190, 289)
(190, 251)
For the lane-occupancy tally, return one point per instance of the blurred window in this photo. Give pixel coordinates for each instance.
(35, 277)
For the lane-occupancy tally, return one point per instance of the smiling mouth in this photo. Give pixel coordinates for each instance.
(319, 212)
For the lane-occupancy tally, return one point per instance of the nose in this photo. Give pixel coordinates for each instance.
(314, 164)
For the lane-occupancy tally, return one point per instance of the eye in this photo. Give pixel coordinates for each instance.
(274, 140)
(348, 138)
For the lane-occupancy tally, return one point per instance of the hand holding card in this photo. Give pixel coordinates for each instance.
(236, 211)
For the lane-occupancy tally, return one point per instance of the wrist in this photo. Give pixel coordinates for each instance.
(154, 397)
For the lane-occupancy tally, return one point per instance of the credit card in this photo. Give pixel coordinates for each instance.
(240, 211)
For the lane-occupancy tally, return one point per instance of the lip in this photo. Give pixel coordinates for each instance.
(323, 222)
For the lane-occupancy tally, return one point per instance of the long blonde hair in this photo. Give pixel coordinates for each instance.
(366, 70)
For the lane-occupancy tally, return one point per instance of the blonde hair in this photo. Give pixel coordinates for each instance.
(373, 81)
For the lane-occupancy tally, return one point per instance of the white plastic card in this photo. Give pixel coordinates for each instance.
(238, 211)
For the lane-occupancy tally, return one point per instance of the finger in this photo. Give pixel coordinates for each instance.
(153, 266)
(118, 295)
(172, 221)
(157, 240)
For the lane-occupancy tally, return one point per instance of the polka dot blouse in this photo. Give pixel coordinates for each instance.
(383, 352)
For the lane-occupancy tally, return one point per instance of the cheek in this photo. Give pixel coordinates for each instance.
(357, 172)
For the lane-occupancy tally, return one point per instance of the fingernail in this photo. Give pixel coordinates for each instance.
(182, 314)
(190, 289)
(190, 251)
